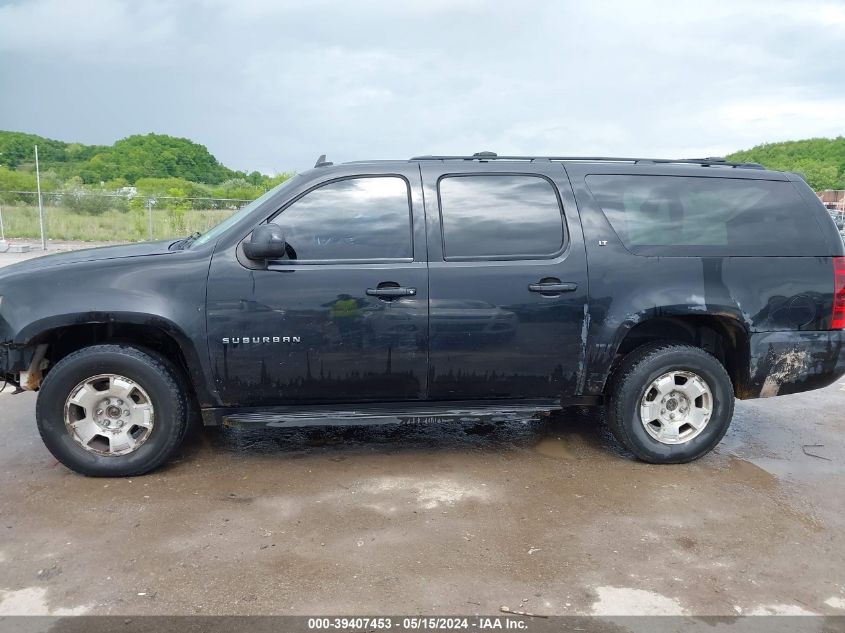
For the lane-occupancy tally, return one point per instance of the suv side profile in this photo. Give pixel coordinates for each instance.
(440, 287)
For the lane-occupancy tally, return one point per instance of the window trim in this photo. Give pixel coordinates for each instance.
(654, 250)
(502, 258)
(372, 260)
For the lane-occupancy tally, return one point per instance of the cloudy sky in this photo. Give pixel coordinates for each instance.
(270, 84)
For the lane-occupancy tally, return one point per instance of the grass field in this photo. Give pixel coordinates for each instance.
(111, 225)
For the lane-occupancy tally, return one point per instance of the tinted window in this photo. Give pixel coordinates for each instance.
(357, 218)
(680, 215)
(500, 217)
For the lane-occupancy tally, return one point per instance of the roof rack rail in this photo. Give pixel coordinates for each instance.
(704, 162)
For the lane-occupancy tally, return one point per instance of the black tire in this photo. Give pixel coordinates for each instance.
(627, 388)
(157, 376)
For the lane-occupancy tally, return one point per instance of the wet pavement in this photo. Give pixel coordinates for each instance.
(548, 517)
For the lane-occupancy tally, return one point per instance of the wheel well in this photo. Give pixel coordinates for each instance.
(723, 337)
(62, 342)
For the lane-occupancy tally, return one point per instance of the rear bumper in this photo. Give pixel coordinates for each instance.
(789, 362)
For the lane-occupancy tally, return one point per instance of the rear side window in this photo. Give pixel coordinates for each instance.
(500, 217)
(682, 215)
(361, 219)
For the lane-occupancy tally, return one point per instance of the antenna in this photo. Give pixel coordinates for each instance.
(322, 162)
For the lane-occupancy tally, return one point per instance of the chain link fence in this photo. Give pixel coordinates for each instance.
(130, 216)
(107, 217)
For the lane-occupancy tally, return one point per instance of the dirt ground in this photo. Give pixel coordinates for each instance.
(455, 519)
(546, 517)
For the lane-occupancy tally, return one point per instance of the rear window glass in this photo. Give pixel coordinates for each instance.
(681, 215)
(501, 216)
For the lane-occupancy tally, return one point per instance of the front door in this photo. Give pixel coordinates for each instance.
(507, 281)
(343, 317)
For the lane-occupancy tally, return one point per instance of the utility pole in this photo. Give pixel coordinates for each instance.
(2, 231)
(40, 203)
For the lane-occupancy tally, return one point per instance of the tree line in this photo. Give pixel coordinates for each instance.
(150, 164)
(820, 161)
(177, 168)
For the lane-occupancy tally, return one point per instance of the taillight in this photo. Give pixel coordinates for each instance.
(838, 321)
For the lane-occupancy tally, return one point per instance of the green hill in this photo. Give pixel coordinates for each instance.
(821, 161)
(131, 158)
(158, 156)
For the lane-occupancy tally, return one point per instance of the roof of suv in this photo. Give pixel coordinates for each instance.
(704, 162)
(483, 157)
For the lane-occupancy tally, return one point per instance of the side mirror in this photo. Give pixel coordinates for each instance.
(267, 242)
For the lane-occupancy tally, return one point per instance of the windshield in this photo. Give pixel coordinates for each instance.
(241, 213)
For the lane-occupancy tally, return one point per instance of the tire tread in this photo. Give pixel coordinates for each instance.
(173, 381)
(622, 379)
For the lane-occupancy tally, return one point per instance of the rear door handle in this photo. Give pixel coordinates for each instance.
(551, 288)
(391, 291)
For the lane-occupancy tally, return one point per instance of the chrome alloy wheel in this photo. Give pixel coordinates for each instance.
(109, 415)
(676, 407)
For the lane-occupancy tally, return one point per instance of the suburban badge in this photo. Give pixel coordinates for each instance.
(260, 340)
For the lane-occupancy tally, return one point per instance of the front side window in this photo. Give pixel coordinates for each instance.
(700, 216)
(499, 217)
(362, 219)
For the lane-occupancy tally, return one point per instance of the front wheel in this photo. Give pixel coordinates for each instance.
(112, 411)
(670, 403)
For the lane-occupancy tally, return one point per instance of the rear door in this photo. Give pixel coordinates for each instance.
(507, 280)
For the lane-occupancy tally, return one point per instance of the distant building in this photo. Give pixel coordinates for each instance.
(833, 199)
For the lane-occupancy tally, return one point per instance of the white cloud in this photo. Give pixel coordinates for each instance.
(783, 118)
(270, 85)
(86, 30)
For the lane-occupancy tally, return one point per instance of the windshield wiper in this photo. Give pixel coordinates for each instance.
(185, 242)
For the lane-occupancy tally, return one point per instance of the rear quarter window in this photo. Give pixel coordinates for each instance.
(700, 216)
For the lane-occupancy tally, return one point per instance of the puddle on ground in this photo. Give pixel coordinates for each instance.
(573, 445)
(352, 439)
(751, 474)
(556, 447)
(566, 435)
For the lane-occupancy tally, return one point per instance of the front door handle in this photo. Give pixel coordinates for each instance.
(391, 291)
(553, 287)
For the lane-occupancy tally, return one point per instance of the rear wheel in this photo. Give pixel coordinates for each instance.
(670, 403)
(112, 411)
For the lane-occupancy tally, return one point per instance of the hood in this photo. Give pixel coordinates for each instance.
(91, 255)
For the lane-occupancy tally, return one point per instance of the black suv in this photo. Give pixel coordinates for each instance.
(440, 287)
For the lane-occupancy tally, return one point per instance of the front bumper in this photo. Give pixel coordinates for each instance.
(14, 359)
(6, 364)
(791, 362)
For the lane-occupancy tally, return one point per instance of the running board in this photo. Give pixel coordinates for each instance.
(390, 413)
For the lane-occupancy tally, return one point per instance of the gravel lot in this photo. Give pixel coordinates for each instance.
(453, 519)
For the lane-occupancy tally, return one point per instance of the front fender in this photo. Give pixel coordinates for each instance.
(162, 292)
(27, 339)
